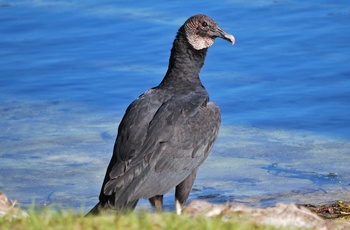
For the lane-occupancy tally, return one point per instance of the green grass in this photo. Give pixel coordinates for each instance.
(66, 219)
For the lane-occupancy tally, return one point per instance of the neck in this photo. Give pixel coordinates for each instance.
(185, 63)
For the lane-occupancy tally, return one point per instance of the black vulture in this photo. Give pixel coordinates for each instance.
(168, 131)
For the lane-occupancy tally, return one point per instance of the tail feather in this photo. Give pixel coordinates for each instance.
(95, 210)
(100, 208)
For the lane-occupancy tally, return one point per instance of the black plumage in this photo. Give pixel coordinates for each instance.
(168, 131)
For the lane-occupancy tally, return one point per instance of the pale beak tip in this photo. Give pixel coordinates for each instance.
(230, 38)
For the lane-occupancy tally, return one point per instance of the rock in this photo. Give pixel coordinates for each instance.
(283, 215)
(8, 209)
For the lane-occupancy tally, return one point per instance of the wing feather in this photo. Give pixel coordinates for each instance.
(160, 141)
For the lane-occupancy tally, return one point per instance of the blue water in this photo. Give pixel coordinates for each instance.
(69, 69)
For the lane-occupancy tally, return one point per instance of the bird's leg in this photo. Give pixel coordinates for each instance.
(157, 202)
(183, 190)
(178, 207)
(130, 206)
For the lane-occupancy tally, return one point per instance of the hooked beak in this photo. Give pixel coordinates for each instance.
(220, 33)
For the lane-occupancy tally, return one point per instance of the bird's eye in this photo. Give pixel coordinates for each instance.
(204, 24)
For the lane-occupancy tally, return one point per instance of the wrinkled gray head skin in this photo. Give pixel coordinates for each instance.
(201, 31)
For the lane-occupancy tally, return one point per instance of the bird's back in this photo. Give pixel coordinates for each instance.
(162, 138)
